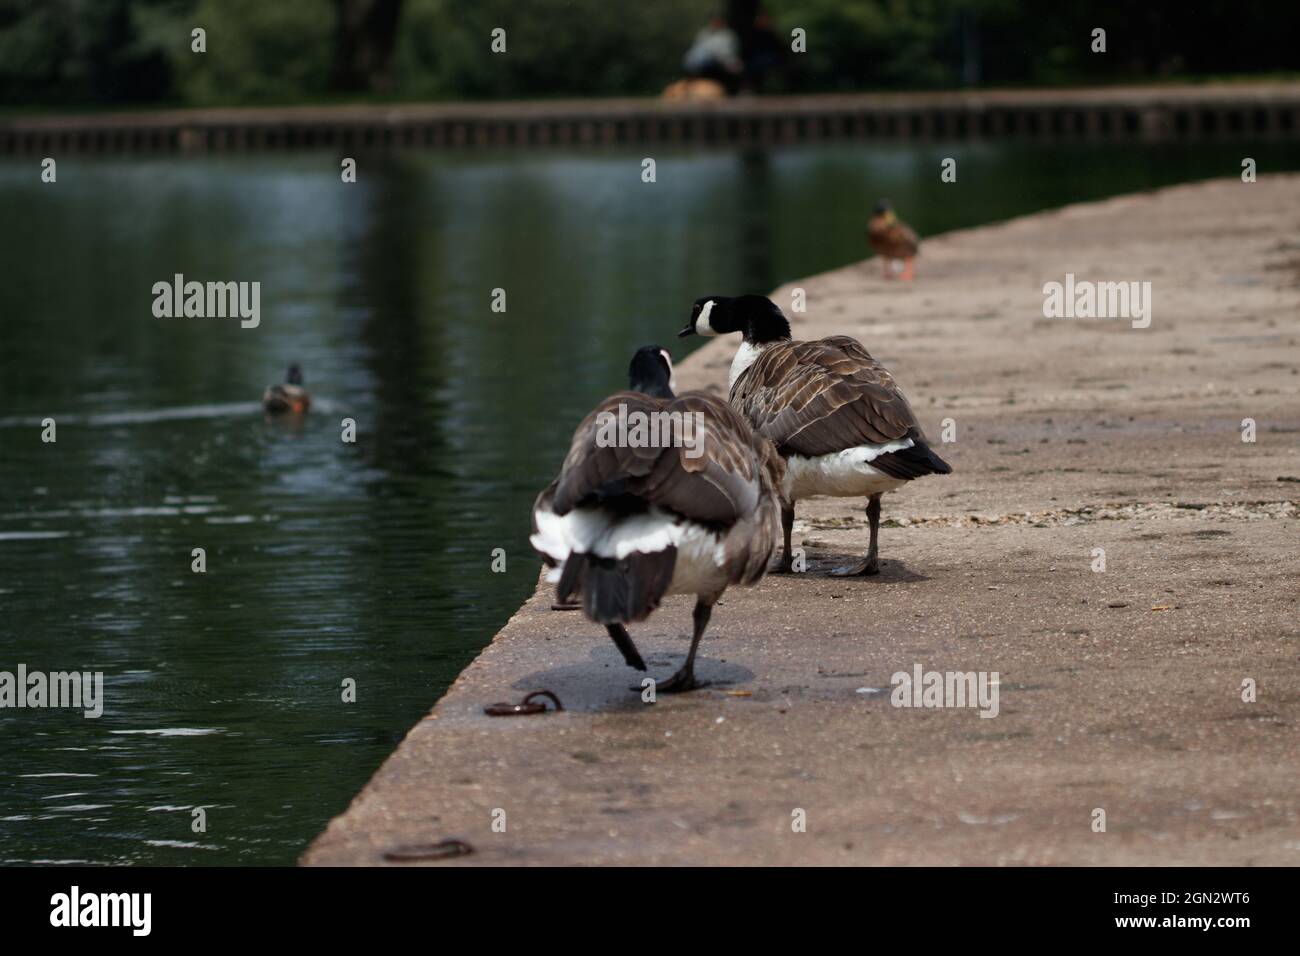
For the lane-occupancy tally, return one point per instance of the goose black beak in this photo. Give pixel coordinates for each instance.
(689, 330)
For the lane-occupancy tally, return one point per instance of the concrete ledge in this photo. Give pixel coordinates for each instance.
(1268, 110)
(1118, 690)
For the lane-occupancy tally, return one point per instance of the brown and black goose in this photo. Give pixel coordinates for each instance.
(833, 412)
(659, 494)
(892, 239)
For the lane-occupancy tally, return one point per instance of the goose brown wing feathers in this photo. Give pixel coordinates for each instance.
(819, 397)
(710, 476)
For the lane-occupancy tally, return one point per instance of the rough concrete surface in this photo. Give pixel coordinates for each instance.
(1119, 690)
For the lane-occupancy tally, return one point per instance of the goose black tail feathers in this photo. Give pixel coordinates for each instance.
(617, 591)
(937, 465)
(912, 462)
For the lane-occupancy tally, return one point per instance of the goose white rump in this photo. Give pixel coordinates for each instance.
(701, 565)
(844, 474)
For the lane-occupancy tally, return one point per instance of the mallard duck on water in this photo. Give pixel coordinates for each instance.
(892, 239)
(289, 398)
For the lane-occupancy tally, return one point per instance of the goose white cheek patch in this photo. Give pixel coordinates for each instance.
(702, 326)
(672, 373)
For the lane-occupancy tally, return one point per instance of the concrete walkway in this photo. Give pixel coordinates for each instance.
(1251, 110)
(1119, 691)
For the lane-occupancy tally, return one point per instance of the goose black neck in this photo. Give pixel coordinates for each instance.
(650, 373)
(764, 320)
(654, 389)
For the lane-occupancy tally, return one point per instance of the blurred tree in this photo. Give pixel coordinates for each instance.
(35, 42)
(56, 50)
(554, 47)
(69, 51)
(363, 44)
(257, 52)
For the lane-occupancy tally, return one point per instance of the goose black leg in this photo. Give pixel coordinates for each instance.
(787, 525)
(624, 643)
(870, 564)
(684, 679)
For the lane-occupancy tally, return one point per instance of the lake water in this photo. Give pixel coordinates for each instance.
(370, 561)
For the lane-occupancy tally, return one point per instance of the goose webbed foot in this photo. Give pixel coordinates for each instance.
(677, 684)
(684, 679)
(680, 682)
(864, 568)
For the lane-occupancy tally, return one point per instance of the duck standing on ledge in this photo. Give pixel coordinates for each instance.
(626, 523)
(892, 239)
(833, 412)
(289, 398)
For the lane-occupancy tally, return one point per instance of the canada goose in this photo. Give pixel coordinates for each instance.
(833, 412)
(892, 239)
(633, 517)
(289, 397)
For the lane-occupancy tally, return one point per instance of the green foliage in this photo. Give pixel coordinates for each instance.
(554, 47)
(257, 51)
(867, 43)
(35, 43)
(269, 51)
(55, 50)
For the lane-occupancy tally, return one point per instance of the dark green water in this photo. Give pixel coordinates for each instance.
(372, 560)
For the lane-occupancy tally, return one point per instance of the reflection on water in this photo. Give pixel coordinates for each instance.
(329, 561)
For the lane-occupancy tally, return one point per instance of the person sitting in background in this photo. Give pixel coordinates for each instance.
(715, 55)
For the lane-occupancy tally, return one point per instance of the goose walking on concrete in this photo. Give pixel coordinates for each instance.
(681, 498)
(834, 413)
